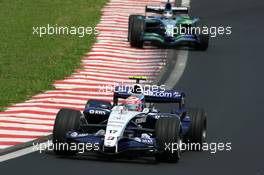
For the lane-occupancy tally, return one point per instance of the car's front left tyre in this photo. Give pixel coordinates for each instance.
(203, 39)
(204, 42)
(168, 139)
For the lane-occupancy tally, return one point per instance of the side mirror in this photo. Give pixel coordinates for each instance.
(154, 110)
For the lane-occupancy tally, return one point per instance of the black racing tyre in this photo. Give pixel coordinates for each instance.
(204, 42)
(137, 30)
(167, 132)
(198, 128)
(130, 22)
(100, 103)
(66, 120)
(204, 39)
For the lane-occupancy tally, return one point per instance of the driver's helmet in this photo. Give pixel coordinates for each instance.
(133, 103)
(168, 14)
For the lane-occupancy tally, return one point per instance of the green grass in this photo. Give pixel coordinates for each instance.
(29, 64)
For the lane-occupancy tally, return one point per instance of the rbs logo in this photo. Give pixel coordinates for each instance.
(98, 112)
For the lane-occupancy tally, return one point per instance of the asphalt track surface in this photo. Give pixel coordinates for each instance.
(226, 80)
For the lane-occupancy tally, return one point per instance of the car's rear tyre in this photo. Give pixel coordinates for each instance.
(167, 132)
(66, 120)
(136, 32)
(198, 128)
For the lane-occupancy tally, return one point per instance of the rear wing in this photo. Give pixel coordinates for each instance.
(138, 78)
(160, 9)
(151, 95)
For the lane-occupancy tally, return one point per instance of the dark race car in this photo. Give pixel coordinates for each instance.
(172, 27)
(132, 125)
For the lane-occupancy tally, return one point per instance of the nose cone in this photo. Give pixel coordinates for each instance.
(116, 124)
(110, 141)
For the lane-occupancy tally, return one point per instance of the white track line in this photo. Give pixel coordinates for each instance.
(178, 69)
(21, 152)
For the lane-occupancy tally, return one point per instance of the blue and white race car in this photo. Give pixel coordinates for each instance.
(171, 27)
(132, 125)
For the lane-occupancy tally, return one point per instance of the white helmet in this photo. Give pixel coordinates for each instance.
(167, 14)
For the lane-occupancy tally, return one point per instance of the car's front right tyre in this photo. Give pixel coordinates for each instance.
(136, 31)
(130, 24)
(66, 120)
